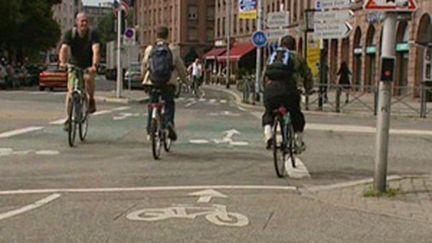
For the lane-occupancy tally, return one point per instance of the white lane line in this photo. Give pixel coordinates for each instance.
(58, 122)
(98, 113)
(122, 108)
(223, 101)
(212, 101)
(30, 206)
(143, 189)
(190, 104)
(19, 131)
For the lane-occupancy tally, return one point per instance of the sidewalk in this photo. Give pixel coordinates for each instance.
(128, 97)
(360, 103)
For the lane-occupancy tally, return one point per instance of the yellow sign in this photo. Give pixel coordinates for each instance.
(313, 56)
(248, 15)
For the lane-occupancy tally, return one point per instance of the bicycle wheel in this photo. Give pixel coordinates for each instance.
(278, 148)
(74, 103)
(83, 125)
(155, 137)
(291, 143)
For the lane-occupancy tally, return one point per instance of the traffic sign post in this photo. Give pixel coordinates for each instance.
(278, 19)
(392, 10)
(332, 30)
(332, 24)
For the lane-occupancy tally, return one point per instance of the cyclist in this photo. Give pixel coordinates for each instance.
(284, 71)
(161, 65)
(84, 47)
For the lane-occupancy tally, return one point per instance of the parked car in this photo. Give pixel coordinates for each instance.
(53, 77)
(134, 74)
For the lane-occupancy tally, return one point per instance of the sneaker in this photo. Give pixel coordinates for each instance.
(172, 133)
(92, 106)
(148, 137)
(268, 136)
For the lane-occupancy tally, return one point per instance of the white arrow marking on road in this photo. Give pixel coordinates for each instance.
(19, 131)
(300, 171)
(231, 133)
(29, 207)
(206, 195)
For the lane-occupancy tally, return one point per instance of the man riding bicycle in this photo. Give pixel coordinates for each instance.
(84, 47)
(284, 71)
(161, 65)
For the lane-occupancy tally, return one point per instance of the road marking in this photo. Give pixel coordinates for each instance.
(30, 206)
(47, 152)
(58, 122)
(223, 101)
(122, 108)
(199, 141)
(347, 184)
(216, 214)
(147, 189)
(206, 195)
(19, 131)
(300, 171)
(212, 101)
(190, 104)
(102, 112)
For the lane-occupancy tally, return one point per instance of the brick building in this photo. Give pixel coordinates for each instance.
(361, 49)
(191, 23)
(97, 13)
(64, 13)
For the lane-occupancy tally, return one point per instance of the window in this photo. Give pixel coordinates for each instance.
(210, 13)
(192, 34)
(210, 35)
(192, 12)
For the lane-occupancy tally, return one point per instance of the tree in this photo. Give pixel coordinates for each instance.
(29, 26)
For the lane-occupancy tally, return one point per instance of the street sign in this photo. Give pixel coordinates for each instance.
(276, 34)
(391, 5)
(259, 39)
(332, 30)
(333, 16)
(333, 4)
(129, 36)
(278, 19)
(248, 9)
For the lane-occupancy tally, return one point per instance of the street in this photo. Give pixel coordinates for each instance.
(218, 183)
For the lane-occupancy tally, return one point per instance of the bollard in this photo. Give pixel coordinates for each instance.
(423, 100)
(376, 102)
(338, 94)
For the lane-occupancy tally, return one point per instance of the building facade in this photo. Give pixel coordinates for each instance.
(64, 13)
(96, 13)
(191, 23)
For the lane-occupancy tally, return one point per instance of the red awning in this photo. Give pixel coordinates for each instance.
(214, 53)
(237, 52)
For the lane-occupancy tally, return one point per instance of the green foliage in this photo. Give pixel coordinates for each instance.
(27, 27)
(390, 192)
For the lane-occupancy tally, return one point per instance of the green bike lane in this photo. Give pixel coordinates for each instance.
(95, 189)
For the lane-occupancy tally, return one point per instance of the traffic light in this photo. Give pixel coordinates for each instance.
(387, 69)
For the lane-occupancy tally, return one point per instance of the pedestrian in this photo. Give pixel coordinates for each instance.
(344, 80)
(84, 45)
(3, 74)
(161, 65)
(196, 70)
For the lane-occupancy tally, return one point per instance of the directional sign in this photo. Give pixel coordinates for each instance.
(276, 34)
(333, 16)
(248, 9)
(332, 31)
(259, 39)
(278, 19)
(391, 5)
(333, 4)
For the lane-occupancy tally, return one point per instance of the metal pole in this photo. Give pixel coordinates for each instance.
(228, 30)
(119, 69)
(259, 53)
(384, 108)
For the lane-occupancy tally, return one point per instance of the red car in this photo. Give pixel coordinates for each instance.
(53, 77)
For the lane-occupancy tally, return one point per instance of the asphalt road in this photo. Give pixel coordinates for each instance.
(110, 189)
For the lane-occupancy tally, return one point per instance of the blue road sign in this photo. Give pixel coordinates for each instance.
(259, 39)
(247, 5)
(129, 33)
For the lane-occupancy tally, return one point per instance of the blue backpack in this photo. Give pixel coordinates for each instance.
(160, 64)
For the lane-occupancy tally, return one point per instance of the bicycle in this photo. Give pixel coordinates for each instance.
(78, 105)
(182, 88)
(158, 129)
(286, 145)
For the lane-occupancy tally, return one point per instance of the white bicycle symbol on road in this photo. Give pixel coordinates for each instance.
(217, 214)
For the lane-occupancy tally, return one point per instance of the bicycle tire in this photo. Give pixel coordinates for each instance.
(291, 143)
(155, 138)
(84, 119)
(72, 121)
(167, 142)
(278, 149)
